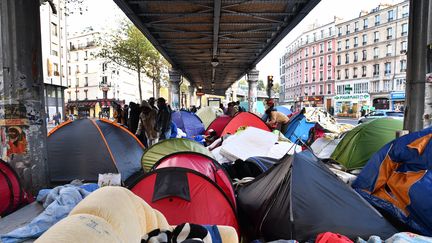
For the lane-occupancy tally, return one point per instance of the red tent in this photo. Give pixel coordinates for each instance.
(184, 195)
(12, 196)
(244, 119)
(218, 125)
(202, 164)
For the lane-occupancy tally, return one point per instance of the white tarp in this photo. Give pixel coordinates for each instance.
(324, 147)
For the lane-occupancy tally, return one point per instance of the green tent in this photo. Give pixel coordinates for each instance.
(170, 146)
(359, 144)
(208, 114)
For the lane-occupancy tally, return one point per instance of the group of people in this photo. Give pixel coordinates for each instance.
(150, 122)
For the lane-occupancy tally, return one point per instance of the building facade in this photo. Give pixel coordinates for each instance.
(97, 85)
(371, 60)
(54, 56)
(307, 68)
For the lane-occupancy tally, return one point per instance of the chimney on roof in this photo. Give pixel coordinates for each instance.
(363, 13)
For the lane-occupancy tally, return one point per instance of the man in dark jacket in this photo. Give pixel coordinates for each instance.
(163, 119)
(133, 117)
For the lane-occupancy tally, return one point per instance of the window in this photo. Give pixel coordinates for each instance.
(404, 29)
(346, 58)
(328, 88)
(338, 72)
(377, 19)
(76, 56)
(329, 74)
(338, 60)
(339, 45)
(405, 11)
(321, 87)
(347, 44)
(104, 79)
(355, 56)
(375, 86)
(347, 29)
(54, 31)
(77, 69)
(376, 69)
(365, 23)
(329, 60)
(360, 88)
(69, 70)
(355, 72)
(306, 52)
(376, 36)
(306, 64)
(321, 61)
(321, 47)
(364, 37)
(390, 15)
(313, 50)
(346, 73)
(330, 31)
(313, 77)
(403, 66)
(387, 85)
(364, 53)
(400, 84)
(104, 66)
(387, 70)
(321, 75)
(404, 46)
(77, 82)
(306, 78)
(86, 68)
(364, 70)
(85, 92)
(313, 63)
(355, 41)
(322, 34)
(329, 46)
(86, 55)
(312, 89)
(56, 69)
(356, 26)
(86, 81)
(389, 50)
(339, 31)
(389, 33)
(376, 52)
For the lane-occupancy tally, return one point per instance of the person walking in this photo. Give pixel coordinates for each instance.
(56, 119)
(163, 120)
(147, 124)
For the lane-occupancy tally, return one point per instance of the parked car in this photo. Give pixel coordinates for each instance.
(381, 114)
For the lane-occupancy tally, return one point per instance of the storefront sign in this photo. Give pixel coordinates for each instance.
(397, 95)
(351, 97)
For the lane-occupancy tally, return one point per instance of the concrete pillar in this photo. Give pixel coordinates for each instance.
(174, 88)
(416, 65)
(428, 90)
(191, 95)
(252, 79)
(22, 112)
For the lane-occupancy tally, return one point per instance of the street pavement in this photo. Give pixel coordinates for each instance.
(352, 121)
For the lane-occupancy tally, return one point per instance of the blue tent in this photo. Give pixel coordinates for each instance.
(298, 128)
(398, 180)
(188, 122)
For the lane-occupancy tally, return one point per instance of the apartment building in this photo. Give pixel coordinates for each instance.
(371, 59)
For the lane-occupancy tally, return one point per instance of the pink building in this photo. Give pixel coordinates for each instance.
(308, 68)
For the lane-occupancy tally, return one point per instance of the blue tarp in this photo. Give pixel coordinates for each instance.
(408, 161)
(259, 106)
(188, 122)
(58, 203)
(298, 128)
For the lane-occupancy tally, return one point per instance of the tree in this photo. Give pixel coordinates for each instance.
(129, 48)
(261, 86)
(156, 67)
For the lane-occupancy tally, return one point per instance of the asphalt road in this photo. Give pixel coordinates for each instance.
(348, 121)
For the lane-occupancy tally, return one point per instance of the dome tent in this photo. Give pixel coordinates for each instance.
(84, 148)
(188, 122)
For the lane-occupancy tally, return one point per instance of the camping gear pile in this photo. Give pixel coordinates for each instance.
(257, 183)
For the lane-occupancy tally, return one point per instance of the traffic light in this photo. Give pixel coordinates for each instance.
(269, 81)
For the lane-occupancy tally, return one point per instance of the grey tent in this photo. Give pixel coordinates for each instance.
(301, 198)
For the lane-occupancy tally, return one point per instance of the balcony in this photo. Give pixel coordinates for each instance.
(329, 49)
(313, 53)
(389, 54)
(387, 73)
(346, 62)
(365, 26)
(355, 59)
(346, 77)
(348, 32)
(338, 78)
(404, 33)
(339, 63)
(306, 68)
(346, 47)
(321, 51)
(364, 43)
(376, 40)
(377, 23)
(376, 57)
(403, 70)
(376, 74)
(321, 79)
(339, 34)
(355, 45)
(389, 37)
(390, 19)
(321, 65)
(356, 29)
(313, 80)
(355, 76)
(329, 64)
(313, 66)
(339, 49)
(364, 59)
(364, 75)
(403, 51)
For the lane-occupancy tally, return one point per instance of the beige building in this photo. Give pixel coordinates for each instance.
(371, 59)
(96, 84)
(53, 34)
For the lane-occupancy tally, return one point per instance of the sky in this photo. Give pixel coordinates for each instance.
(104, 14)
